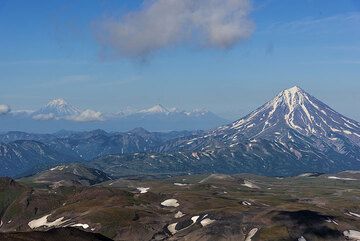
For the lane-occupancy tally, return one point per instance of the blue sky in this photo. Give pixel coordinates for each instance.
(51, 49)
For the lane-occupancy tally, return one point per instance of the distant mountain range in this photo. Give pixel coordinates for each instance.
(58, 114)
(292, 133)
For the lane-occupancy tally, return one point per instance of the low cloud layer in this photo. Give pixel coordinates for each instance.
(164, 23)
(88, 115)
(85, 116)
(44, 117)
(4, 109)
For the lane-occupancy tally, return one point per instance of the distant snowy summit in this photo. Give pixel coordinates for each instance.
(160, 109)
(59, 114)
(156, 110)
(59, 109)
(56, 109)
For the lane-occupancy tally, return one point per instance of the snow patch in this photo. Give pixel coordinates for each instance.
(250, 185)
(329, 220)
(170, 203)
(172, 228)
(341, 178)
(195, 218)
(58, 168)
(251, 234)
(143, 189)
(352, 234)
(353, 214)
(84, 226)
(206, 222)
(347, 132)
(36, 223)
(179, 214)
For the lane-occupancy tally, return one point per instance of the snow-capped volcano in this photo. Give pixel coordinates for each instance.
(297, 110)
(155, 110)
(294, 128)
(56, 108)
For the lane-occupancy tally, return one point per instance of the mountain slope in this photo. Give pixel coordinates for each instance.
(26, 157)
(68, 175)
(93, 144)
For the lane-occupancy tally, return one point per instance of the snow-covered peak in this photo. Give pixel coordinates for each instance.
(294, 90)
(57, 108)
(292, 97)
(297, 110)
(155, 109)
(57, 102)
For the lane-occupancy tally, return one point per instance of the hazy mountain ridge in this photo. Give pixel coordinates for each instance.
(58, 114)
(26, 157)
(23, 153)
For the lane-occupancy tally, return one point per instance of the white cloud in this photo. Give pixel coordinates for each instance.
(84, 116)
(44, 117)
(163, 23)
(88, 115)
(4, 109)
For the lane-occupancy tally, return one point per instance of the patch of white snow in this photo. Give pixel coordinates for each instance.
(206, 222)
(251, 234)
(143, 189)
(36, 223)
(179, 214)
(352, 234)
(170, 203)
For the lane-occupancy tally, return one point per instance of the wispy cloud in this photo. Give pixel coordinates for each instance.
(163, 23)
(333, 24)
